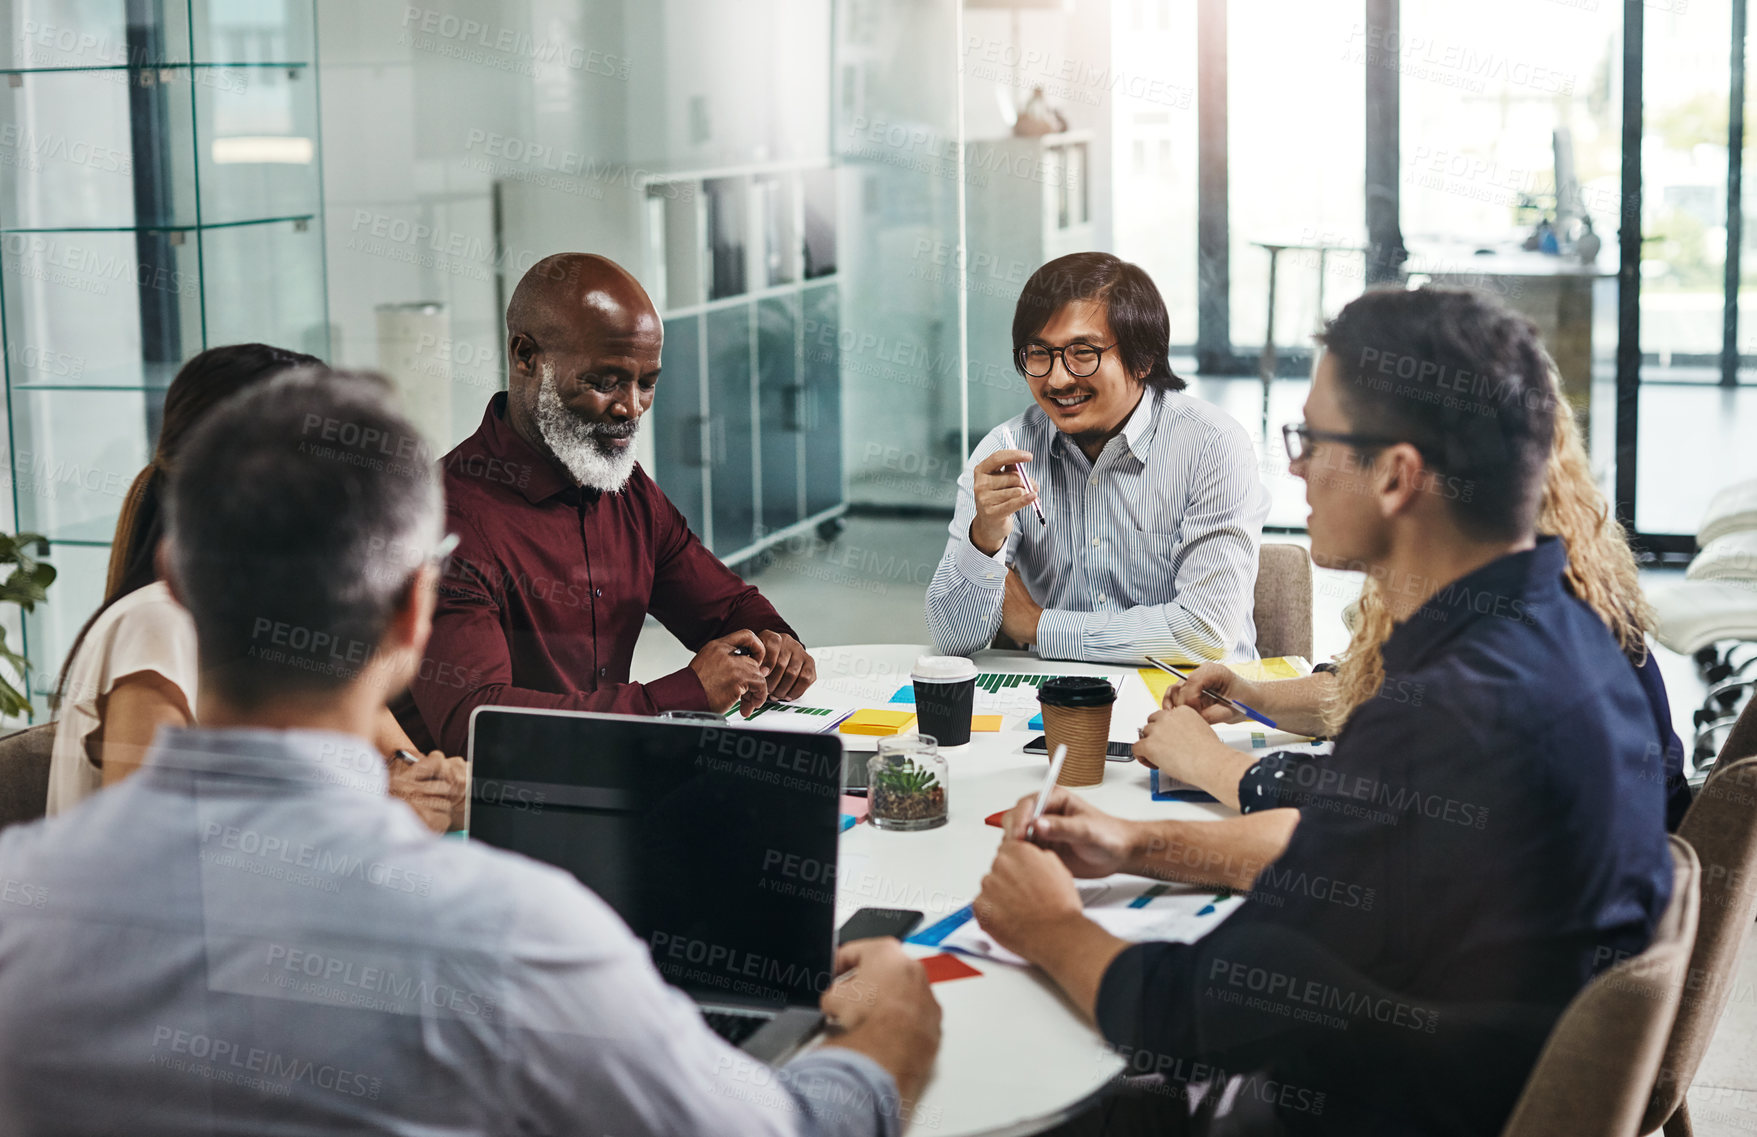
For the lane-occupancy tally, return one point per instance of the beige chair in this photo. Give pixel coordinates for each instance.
(24, 773)
(1722, 828)
(1741, 740)
(1597, 1071)
(1284, 601)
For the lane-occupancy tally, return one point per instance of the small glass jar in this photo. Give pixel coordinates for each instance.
(906, 784)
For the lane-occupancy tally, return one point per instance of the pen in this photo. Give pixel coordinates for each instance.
(1055, 769)
(410, 757)
(1248, 712)
(1037, 506)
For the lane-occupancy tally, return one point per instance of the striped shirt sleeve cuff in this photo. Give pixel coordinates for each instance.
(980, 569)
(1062, 634)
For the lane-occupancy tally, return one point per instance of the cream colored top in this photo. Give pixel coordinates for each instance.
(146, 630)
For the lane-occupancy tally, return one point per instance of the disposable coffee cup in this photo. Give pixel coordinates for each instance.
(945, 695)
(1076, 714)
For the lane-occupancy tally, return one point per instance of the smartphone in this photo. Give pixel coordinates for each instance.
(1113, 751)
(870, 922)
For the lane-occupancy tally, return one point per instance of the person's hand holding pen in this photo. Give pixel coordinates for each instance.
(1089, 841)
(433, 786)
(731, 671)
(1213, 679)
(1001, 490)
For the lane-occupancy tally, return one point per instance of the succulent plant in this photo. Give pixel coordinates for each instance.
(906, 778)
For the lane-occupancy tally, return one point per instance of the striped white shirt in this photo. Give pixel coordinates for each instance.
(1152, 549)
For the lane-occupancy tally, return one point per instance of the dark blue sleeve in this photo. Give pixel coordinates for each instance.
(1311, 931)
(1277, 781)
(1670, 767)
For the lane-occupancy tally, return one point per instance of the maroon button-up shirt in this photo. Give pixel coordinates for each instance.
(550, 585)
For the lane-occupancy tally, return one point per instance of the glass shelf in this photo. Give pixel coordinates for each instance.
(187, 32)
(294, 217)
(227, 145)
(93, 534)
(159, 66)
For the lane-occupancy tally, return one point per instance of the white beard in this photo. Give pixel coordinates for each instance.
(579, 445)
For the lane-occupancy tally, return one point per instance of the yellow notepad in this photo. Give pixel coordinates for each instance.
(1280, 667)
(983, 723)
(878, 722)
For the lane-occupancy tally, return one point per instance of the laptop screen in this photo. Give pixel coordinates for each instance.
(716, 844)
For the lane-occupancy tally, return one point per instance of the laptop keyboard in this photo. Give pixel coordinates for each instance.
(734, 1027)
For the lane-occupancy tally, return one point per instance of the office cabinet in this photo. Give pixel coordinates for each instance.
(680, 447)
(733, 445)
(822, 384)
(746, 423)
(780, 411)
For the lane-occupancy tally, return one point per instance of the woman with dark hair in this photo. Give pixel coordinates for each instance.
(1118, 517)
(133, 669)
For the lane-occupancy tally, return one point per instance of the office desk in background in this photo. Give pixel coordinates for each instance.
(1556, 293)
(1014, 1057)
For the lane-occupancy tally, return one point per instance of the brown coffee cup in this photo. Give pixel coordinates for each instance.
(1076, 714)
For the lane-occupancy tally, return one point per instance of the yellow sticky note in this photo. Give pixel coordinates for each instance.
(878, 722)
(981, 723)
(1279, 667)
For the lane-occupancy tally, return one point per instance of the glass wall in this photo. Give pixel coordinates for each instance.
(835, 204)
(1511, 150)
(1686, 87)
(1296, 119)
(159, 194)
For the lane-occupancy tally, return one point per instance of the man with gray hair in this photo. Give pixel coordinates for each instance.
(249, 935)
(567, 544)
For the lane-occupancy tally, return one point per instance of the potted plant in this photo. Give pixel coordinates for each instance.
(908, 789)
(24, 586)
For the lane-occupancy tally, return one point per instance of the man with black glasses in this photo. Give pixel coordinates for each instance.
(1486, 835)
(1116, 518)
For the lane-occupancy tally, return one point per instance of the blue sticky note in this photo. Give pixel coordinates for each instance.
(1036, 722)
(905, 694)
(1176, 795)
(847, 822)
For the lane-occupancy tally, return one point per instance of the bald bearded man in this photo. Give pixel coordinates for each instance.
(565, 543)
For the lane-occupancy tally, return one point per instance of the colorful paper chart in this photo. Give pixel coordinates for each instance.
(796, 717)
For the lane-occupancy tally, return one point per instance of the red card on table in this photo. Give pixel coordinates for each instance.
(946, 966)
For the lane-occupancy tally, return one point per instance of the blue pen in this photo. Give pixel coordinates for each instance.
(1233, 703)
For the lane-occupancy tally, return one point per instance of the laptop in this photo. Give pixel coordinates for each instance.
(715, 843)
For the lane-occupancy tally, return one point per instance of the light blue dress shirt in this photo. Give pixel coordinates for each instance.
(249, 936)
(1150, 550)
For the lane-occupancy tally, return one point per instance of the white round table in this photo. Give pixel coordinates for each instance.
(1015, 1057)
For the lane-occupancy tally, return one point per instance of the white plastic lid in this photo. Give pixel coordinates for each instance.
(943, 669)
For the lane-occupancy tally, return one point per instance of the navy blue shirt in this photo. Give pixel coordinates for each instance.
(1488, 833)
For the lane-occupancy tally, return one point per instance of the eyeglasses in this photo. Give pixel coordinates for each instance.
(1299, 439)
(1080, 359)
